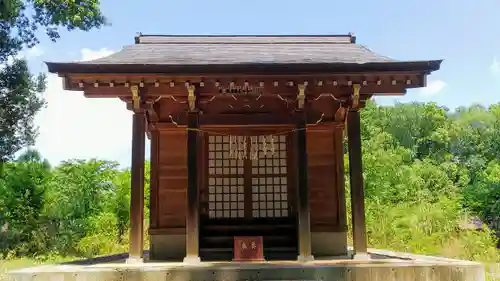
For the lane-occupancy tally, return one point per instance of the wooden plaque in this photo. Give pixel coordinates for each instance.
(248, 248)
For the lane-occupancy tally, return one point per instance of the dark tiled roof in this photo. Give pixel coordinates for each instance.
(170, 50)
(150, 52)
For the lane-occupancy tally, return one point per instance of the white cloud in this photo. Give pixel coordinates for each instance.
(34, 52)
(72, 126)
(495, 66)
(433, 87)
(28, 54)
(88, 54)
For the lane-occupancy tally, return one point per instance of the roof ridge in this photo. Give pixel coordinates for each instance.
(243, 43)
(245, 39)
(244, 35)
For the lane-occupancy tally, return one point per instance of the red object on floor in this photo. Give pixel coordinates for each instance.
(248, 248)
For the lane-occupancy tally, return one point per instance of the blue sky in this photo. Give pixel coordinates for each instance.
(463, 33)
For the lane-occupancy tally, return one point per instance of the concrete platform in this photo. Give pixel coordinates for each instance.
(380, 266)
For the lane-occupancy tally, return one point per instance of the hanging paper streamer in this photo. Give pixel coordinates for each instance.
(264, 145)
(231, 147)
(254, 147)
(243, 147)
(273, 148)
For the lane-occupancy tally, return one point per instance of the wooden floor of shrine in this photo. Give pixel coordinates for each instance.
(380, 265)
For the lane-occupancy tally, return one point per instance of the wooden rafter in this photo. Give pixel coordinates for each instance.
(111, 86)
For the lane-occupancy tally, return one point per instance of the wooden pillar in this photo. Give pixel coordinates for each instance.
(192, 217)
(305, 253)
(357, 186)
(137, 187)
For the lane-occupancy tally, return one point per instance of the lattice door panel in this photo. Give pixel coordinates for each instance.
(269, 181)
(226, 190)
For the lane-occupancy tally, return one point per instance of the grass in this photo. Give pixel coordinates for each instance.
(7, 265)
(492, 271)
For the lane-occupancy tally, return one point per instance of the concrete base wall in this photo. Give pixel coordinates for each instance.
(345, 271)
(329, 243)
(167, 247)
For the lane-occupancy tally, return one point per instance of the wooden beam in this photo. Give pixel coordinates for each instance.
(269, 90)
(162, 78)
(170, 230)
(356, 180)
(108, 86)
(246, 119)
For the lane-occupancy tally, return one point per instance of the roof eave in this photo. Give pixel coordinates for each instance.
(245, 68)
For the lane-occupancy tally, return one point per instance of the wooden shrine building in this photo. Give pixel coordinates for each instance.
(247, 138)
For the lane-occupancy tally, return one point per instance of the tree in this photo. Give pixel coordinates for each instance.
(19, 90)
(22, 191)
(19, 102)
(78, 193)
(22, 19)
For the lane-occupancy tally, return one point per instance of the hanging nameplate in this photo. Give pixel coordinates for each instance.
(234, 88)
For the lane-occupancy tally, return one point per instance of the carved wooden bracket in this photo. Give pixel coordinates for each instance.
(355, 96)
(301, 96)
(340, 114)
(191, 97)
(136, 99)
(153, 116)
(152, 126)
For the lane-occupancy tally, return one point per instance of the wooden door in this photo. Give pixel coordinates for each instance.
(226, 181)
(269, 181)
(246, 189)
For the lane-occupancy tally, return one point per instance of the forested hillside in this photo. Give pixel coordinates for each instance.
(427, 170)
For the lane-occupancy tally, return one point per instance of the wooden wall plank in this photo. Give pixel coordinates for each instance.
(325, 198)
(153, 181)
(172, 178)
(340, 176)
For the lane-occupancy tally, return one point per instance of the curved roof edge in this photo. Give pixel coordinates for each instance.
(252, 68)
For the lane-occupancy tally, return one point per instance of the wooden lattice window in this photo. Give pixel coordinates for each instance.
(226, 191)
(269, 181)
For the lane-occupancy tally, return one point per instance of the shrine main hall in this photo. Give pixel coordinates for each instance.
(248, 136)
